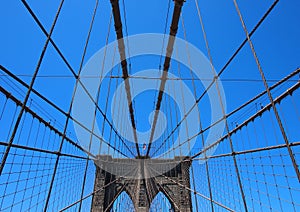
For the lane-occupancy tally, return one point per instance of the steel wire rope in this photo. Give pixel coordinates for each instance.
(69, 67)
(199, 120)
(268, 91)
(163, 45)
(228, 62)
(69, 111)
(3, 161)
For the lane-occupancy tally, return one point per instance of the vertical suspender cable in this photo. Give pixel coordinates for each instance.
(173, 32)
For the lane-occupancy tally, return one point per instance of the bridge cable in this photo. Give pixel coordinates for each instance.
(121, 46)
(285, 79)
(173, 31)
(70, 107)
(226, 64)
(268, 92)
(29, 90)
(73, 72)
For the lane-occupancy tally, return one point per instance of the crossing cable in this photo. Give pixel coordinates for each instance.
(259, 113)
(171, 142)
(192, 190)
(13, 98)
(191, 73)
(73, 72)
(106, 106)
(225, 66)
(121, 46)
(200, 124)
(148, 78)
(110, 205)
(69, 111)
(29, 89)
(272, 167)
(165, 79)
(99, 88)
(237, 171)
(91, 194)
(96, 191)
(56, 107)
(182, 95)
(166, 193)
(91, 136)
(245, 123)
(285, 79)
(39, 118)
(268, 92)
(184, 108)
(109, 85)
(173, 31)
(163, 46)
(90, 143)
(114, 107)
(48, 101)
(278, 146)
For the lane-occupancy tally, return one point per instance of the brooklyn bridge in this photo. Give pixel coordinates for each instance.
(182, 105)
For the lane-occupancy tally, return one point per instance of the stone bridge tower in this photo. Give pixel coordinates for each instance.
(142, 179)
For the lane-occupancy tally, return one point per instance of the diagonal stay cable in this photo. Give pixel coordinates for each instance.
(162, 47)
(39, 118)
(68, 115)
(91, 194)
(121, 46)
(278, 118)
(232, 149)
(91, 135)
(200, 125)
(7, 150)
(190, 189)
(223, 69)
(258, 114)
(69, 111)
(110, 205)
(173, 31)
(73, 72)
(43, 150)
(118, 179)
(60, 110)
(285, 79)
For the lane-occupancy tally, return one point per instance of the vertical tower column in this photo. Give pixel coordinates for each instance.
(105, 189)
(175, 185)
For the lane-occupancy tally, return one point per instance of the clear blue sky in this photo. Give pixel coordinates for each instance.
(276, 43)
